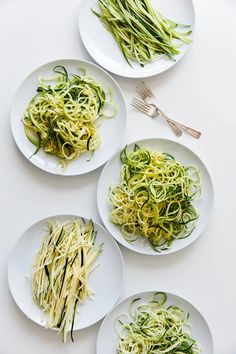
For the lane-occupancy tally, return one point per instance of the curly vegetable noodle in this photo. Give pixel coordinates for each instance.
(142, 32)
(63, 118)
(154, 197)
(156, 328)
(60, 272)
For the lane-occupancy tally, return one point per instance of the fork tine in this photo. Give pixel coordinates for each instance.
(141, 106)
(142, 89)
(138, 107)
(135, 99)
(139, 88)
(148, 90)
(140, 103)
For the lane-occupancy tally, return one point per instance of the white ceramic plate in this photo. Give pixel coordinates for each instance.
(111, 176)
(107, 337)
(106, 286)
(108, 130)
(103, 48)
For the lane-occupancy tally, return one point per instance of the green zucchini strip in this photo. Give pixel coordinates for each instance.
(60, 272)
(155, 328)
(154, 198)
(142, 32)
(64, 116)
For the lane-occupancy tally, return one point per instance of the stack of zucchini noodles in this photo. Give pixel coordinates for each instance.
(154, 197)
(64, 116)
(156, 328)
(142, 32)
(60, 272)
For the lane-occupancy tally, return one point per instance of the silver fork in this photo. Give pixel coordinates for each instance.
(150, 98)
(153, 111)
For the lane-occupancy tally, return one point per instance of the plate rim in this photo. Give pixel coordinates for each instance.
(150, 291)
(24, 80)
(64, 215)
(105, 168)
(137, 75)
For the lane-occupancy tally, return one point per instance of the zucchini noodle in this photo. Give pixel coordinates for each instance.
(142, 32)
(64, 116)
(60, 272)
(154, 197)
(156, 328)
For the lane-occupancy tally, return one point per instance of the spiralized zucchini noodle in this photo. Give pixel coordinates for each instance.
(155, 328)
(142, 32)
(60, 272)
(64, 116)
(154, 197)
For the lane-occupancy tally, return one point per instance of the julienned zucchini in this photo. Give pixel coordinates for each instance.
(142, 32)
(60, 272)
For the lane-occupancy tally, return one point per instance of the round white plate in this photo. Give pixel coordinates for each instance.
(103, 48)
(108, 130)
(106, 286)
(107, 337)
(111, 176)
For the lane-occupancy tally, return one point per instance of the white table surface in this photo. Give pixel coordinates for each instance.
(200, 91)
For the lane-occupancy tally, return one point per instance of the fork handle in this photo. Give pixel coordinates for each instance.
(195, 133)
(177, 130)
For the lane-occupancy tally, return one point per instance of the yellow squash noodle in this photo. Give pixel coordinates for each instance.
(155, 197)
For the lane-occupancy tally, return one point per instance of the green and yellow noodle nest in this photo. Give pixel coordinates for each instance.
(142, 32)
(156, 328)
(60, 272)
(64, 116)
(154, 197)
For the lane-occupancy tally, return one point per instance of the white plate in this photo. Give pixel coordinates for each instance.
(107, 337)
(108, 130)
(111, 176)
(103, 48)
(106, 286)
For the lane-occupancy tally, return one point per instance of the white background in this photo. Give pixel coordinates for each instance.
(200, 90)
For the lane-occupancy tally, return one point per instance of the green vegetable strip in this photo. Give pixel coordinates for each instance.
(154, 197)
(60, 272)
(156, 328)
(142, 32)
(64, 116)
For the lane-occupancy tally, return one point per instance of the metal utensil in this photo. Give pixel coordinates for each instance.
(153, 111)
(149, 97)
